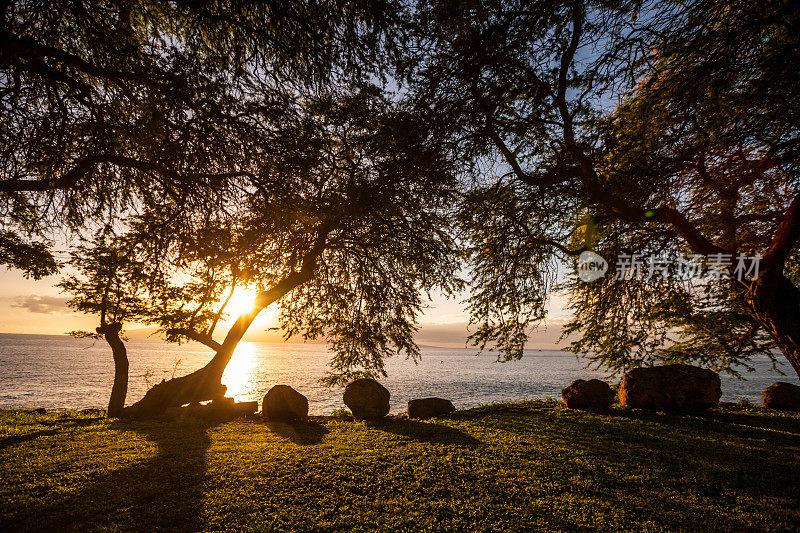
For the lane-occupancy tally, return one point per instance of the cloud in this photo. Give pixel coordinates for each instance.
(40, 304)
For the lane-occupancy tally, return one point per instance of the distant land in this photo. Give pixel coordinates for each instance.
(452, 335)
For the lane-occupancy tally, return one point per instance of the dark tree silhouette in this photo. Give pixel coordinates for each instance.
(354, 229)
(259, 120)
(710, 125)
(700, 157)
(108, 106)
(108, 284)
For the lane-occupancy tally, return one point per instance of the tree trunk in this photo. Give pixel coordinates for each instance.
(775, 303)
(198, 386)
(119, 390)
(201, 385)
(206, 383)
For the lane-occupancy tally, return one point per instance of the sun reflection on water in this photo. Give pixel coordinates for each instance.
(239, 372)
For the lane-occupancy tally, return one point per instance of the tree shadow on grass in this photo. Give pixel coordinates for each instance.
(429, 432)
(776, 428)
(62, 423)
(303, 433)
(12, 440)
(719, 470)
(163, 492)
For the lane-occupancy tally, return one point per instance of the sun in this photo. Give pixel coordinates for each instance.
(243, 301)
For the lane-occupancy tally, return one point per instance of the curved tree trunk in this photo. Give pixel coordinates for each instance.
(200, 385)
(206, 383)
(119, 390)
(775, 303)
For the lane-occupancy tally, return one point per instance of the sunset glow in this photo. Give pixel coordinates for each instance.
(399, 266)
(239, 370)
(242, 301)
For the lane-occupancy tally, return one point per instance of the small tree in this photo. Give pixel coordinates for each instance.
(107, 285)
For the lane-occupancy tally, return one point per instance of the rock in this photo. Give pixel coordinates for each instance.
(245, 408)
(173, 412)
(284, 403)
(198, 410)
(782, 396)
(227, 408)
(37, 411)
(670, 388)
(218, 409)
(366, 399)
(429, 407)
(222, 404)
(593, 395)
(91, 411)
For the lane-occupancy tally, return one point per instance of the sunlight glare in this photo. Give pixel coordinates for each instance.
(239, 372)
(242, 301)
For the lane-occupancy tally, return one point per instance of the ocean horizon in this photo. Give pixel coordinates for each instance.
(60, 372)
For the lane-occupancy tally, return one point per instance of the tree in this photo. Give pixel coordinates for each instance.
(700, 157)
(723, 148)
(353, 227)
(108, 284)
(112, 106)
(261, 124)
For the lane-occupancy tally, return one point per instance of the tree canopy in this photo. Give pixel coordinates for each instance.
(651, 128)
(109, 107)
(710, 125)
(352, 154)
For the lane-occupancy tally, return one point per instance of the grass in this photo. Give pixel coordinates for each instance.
(508, 467)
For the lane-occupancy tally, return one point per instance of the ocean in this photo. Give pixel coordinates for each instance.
(60, 372)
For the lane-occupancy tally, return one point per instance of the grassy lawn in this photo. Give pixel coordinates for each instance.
(511, 467)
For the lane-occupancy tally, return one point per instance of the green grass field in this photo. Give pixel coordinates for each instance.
(510, 467)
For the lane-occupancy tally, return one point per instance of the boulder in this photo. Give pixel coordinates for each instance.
(173, 412)
(366, 399)
(245, 408)
(223, 407)
(284, 403)
(216, 410)
(670, 388)
(197, 410)
(429, 407)
(593, 395)
(782, 396)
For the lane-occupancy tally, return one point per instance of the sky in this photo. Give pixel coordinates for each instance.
(38, 307)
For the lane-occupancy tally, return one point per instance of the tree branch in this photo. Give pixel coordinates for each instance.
(696, 240)
(196, 336)
(785, 238)
(273, 294)
(511, 159)
(595, 191)
(18, 47)
(86, 164)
